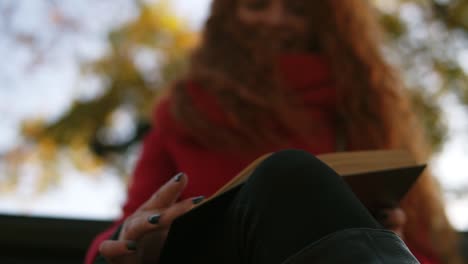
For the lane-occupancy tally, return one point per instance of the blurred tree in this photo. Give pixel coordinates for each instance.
(144, 55)
(427, 40)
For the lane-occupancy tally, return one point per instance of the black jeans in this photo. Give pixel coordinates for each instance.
(290, 201)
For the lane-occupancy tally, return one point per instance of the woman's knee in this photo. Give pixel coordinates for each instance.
(292, 169)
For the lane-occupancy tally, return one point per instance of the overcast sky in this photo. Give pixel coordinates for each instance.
(194, 10)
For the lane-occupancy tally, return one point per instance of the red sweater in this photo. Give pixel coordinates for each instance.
(169, 149)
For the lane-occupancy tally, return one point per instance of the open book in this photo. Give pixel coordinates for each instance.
(378, 178)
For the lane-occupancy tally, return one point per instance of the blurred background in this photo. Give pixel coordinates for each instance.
(78, 79)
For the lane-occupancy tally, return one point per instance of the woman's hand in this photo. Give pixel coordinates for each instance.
(143, 233)
(393, 219)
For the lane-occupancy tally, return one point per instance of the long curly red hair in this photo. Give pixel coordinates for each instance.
(373, 107)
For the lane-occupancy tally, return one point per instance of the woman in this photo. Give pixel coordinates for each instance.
(276, 74)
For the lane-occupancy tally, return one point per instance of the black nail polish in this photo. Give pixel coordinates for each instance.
(131, 245)
(198, 199)
(154, 219)
(178, 177)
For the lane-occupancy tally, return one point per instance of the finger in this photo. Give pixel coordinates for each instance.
(146, 222)
(113, 250)
(394, 217)
(178, 209)
(167, 194)
(136, 227)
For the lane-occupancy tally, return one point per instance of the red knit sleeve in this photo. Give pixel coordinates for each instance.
(153, 169)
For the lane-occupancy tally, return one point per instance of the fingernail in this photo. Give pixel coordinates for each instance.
(154, 219)
(198, 199)
(178, 177)
(131, 245)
